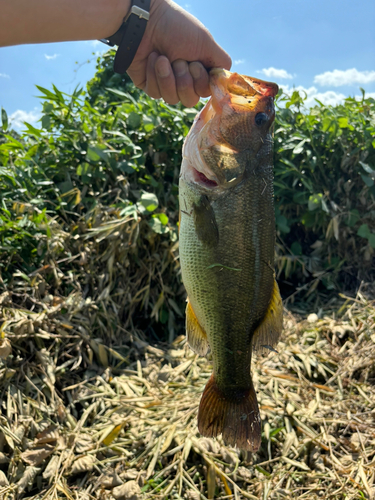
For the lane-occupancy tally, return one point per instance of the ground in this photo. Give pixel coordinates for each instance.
(82, 420)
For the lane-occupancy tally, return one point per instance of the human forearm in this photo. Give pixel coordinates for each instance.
(171, 61)
(39, 21)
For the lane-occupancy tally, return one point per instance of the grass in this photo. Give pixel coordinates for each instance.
(82, 418)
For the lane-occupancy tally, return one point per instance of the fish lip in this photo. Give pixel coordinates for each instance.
(221, 77)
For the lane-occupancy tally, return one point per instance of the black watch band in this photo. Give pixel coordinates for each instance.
(129, 36)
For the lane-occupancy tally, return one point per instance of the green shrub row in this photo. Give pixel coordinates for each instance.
(110, 152)
(325, 191)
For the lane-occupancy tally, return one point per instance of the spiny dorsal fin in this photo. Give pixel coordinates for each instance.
(196, 336)
(268, 332)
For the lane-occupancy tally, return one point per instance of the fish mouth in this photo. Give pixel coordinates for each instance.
(224, 82)
(230, 130)
(201, 179)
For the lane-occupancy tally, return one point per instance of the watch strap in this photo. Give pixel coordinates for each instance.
(130, 34)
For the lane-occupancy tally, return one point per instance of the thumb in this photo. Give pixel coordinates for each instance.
(212, 55)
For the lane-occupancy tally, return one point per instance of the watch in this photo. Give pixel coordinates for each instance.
(129, 36)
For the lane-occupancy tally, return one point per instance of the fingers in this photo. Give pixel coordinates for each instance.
(184, 83)
(152, 88)
(166, 80)
(200, 78)
(180, 81)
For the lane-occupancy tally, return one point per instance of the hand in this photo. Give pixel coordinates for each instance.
(161, 65)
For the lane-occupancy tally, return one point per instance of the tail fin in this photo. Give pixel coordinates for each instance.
(236, 418)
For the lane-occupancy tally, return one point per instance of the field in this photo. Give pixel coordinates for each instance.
(81, 420)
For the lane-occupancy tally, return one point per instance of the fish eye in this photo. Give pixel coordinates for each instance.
(261, 119)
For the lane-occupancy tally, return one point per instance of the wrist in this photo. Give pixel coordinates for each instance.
(117, 11)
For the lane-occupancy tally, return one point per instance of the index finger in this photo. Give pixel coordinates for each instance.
(200, 79)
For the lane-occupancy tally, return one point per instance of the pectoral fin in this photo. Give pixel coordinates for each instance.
(196, 336)
(205, 222)
(268, 332)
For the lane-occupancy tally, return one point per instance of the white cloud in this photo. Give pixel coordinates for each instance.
(18, 117)
(4, 75)
(51, 57)
(337, 77)
(275, 73)
(239, 61)
(330, 97)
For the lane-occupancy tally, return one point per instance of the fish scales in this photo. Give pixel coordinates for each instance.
(227, 239)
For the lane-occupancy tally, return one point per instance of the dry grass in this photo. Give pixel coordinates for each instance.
(81, 420)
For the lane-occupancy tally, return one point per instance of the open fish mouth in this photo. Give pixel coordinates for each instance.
(200, 178)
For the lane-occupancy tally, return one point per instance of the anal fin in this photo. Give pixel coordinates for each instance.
(236, 416)
(196, 336)
(268, 332)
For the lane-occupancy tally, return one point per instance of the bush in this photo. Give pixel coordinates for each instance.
(324, 191)
(90, 204)
(89, 201)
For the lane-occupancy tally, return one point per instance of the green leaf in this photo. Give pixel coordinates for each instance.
(191, 113)
(157, 226)
(96, 153)
(47, 107)
(353, 218)
(134, 120)
(149, 201)
(282, 224)
(127, 166)
(364, 231)
(369, 181)
(46, 122)
(148, 123)
(260, 469)
(275, 432)
(315, 201)
(162, 217)
(367, 168)
(4, 119)
(343, 122)
(92, 154)
(296, 248)
(301, 197)
(299, 148)
(122, 94)
(130, 210)
(371, 240)
(65, 187)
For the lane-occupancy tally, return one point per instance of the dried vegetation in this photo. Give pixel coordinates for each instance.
(85, 417)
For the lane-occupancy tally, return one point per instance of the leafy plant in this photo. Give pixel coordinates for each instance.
(99, 179)
(324, 190)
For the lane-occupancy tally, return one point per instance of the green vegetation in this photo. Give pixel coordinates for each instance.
(95, 189)
(325, 192)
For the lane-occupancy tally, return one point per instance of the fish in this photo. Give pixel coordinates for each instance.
(226, 249)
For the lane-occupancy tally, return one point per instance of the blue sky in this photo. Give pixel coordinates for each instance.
(326, 47)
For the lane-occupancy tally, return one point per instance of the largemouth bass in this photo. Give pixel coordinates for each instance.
(227, 240)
